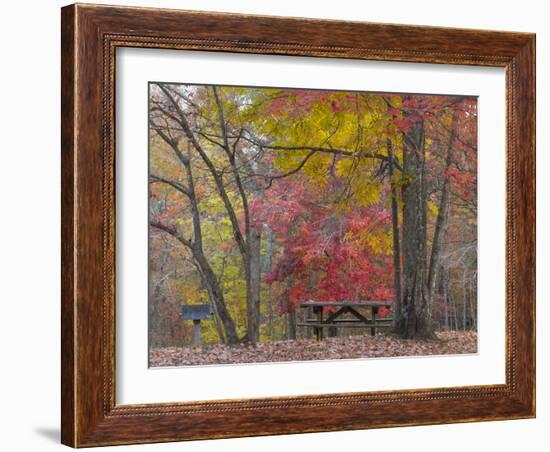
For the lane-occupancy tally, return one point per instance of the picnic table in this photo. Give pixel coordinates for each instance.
(336, 318)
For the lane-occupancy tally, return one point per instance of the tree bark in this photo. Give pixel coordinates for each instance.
(217, 319)
(291, 319)
(291, 323)
(473, 305)
(253, 296)
(267, 266)
(216, 295)
(444, 297)
(464, 301)
(416, 313)
(442, 215)
(454, 315)
(291, 314)
(395, 232)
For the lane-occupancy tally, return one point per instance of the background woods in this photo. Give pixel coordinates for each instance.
(264, 198)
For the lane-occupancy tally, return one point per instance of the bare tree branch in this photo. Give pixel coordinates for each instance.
(170, 141)
(179, 187)
(182, 121)
(173, 232)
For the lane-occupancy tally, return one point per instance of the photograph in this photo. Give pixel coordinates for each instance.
(294, 224)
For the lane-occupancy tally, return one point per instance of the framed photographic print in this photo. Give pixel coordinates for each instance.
(280, 225)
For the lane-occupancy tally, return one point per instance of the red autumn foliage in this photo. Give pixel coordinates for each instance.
(322, 253)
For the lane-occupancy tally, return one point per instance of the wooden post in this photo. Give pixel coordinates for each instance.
(305, 329)
(321, 321)
(373, 328)
(318, 330)
(196, 332)
(196, 313)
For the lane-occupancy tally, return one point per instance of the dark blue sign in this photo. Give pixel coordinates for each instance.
(196, 311)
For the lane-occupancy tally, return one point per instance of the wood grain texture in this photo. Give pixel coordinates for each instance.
(90, 36)
(67, 226)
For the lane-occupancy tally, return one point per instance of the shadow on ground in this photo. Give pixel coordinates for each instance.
(50, 433)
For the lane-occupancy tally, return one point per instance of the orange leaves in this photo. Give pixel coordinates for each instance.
(350, 347)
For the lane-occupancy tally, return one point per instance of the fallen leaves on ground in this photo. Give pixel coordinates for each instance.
(448, 343)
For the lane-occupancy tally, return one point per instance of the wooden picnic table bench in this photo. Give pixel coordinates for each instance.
(335, 320)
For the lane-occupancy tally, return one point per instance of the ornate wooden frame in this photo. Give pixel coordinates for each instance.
(90, 35)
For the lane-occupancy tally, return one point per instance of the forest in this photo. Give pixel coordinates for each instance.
(263, 199)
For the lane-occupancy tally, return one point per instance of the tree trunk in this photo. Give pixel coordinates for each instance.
(473, 307)
(395, 232)
(292, 323)
(267, 266)
(213, 285)
(454, 318)
(216, 295)
(444, 297)
(156, 301)
(464, 301)
(291, 314)
(217, 320)
(416, 313)
(253, 295)
(442, 215)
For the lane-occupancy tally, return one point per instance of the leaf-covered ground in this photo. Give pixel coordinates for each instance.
(448, 343)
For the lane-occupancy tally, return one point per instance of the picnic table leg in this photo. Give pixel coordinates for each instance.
(332, 331)
(321, 321)
(373, 328)
(305, 329)
(318, 330)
